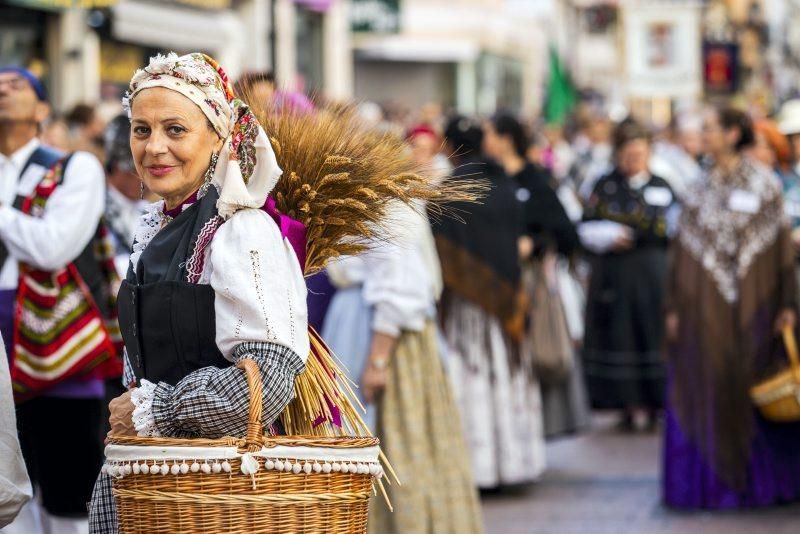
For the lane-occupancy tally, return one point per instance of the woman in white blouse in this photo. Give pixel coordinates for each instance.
(211, 278)
(381, 323)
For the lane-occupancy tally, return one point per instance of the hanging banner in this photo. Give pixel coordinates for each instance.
(720, 67)
(662, 50)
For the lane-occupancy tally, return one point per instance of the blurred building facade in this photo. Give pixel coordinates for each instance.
(473, 55)
(653, 57)
(87, 50)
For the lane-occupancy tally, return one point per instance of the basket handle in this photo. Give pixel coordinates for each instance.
(791, 350)
(255, 428)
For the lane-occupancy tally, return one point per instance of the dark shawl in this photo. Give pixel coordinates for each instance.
(479, 253)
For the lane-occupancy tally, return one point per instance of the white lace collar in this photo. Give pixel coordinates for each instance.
(150, 223)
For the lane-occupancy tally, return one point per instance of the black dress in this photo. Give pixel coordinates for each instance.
(624, 311)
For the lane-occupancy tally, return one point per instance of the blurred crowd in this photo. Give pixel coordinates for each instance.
(608, 266)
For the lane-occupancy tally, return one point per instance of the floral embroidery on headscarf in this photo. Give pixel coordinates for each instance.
(200, 79)
(193, 76)
(243, 139)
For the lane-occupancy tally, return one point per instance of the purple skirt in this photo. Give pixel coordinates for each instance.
(773, 473)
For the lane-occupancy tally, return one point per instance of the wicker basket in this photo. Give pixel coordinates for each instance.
(778, 397)
(257, 484)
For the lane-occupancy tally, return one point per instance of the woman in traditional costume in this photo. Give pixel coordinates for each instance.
(549, 237)
(381, 323)
(482, 315)
(191, 307)
(625, 229)
(731, 287)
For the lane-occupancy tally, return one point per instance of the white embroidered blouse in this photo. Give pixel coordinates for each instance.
(400, 278)
(260, 309)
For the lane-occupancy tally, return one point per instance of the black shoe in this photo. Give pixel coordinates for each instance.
(653, 421)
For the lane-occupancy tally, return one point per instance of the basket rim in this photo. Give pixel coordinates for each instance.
(343, 442)
(125, 454)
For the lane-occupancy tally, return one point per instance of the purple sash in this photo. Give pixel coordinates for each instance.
(291, 229)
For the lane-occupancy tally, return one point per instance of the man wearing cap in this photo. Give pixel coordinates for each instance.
(789, 125)
(59, 424)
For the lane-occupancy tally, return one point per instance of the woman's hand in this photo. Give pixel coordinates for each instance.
(525, 247)
(374, 381)
(376, 374)
(121, 415)
(672, 324)
(786, 318)
(624, 240)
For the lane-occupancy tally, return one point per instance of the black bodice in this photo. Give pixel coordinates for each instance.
(168, 324)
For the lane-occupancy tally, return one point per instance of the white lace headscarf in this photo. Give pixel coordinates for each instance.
(247, 170)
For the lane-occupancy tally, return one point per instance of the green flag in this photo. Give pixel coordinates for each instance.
(560, 92)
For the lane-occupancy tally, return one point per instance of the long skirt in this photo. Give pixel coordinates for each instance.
(773, 472)
(417, 422)
(421, 433)
(348, 331)
(622, 353)
(498, 397)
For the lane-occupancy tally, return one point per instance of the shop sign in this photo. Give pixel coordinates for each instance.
(378, 16)
(64, 4)
(201, 4)
(119, 61)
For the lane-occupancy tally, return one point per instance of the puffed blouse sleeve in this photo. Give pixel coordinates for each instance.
(259, 286)
(399, 284)
(260, 307)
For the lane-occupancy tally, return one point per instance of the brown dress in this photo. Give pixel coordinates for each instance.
(732, 272)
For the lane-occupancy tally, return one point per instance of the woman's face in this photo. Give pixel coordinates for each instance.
(171, 143)
(717, 141)
(762, 151)
(494, 145)
(423, 148)
(633, 157)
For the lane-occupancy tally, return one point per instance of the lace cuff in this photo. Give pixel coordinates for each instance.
(142, 398)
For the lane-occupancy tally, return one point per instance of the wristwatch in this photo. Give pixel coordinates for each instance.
(380, 363)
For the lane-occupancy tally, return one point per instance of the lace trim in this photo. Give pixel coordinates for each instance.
(142, 399)
(149, 225)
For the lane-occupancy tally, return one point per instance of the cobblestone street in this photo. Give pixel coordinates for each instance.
(607, 483)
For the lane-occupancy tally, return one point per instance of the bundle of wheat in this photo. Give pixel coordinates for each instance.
(340, 178)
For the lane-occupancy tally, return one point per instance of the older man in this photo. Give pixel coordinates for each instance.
(48, 229)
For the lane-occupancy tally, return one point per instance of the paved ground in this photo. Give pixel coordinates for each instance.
(606, 483)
